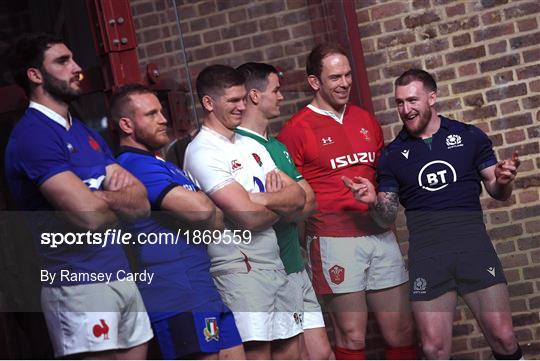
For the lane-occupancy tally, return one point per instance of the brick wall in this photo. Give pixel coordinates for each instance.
(485, 55)
(486, 58)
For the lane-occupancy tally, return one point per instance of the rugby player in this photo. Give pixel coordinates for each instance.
(435, 166)
(55, 163)
(240, 177)
(187, 314)
(263, 99)
(353, 260)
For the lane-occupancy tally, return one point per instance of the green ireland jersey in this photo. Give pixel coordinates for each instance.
(287, 233)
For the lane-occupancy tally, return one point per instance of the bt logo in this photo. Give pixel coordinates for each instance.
(436, 175)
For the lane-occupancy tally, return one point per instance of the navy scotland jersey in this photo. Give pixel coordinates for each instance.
(182, 279)
(39, 148)
(439, 186)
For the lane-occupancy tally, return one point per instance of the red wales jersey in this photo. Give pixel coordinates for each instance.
(324, 150)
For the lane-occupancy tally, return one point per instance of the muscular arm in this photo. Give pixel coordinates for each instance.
(66, 192)
(498, 179)
(383, 206)
(384, 210)
(237, 206)
(286, 200)
(194, 208)
(124, 194)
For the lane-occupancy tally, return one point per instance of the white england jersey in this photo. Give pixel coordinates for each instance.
(212, 161)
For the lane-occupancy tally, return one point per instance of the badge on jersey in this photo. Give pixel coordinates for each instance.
(365, 132)
(94, 144)
(257, 159)
(211, 329)
(453, 141)
(235, 165)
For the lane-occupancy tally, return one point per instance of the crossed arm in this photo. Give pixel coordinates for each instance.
(193, 208)
(258, 211)
(123, 196)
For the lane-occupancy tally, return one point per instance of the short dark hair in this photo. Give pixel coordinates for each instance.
(256, 75)
(28, 51)
(214, 79)
(120, 100)
(417, 75)
(316, 56)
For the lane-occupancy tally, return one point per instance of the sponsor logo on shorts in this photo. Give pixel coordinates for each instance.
(297, 318)
(491, 271)
(337, 274)
(453, 141)
(211, 329)
(419, 286)
(436, 175)
(101, 329)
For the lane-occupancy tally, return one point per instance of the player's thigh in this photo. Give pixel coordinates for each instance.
(393, 313)
(348, 312)
(434, 318)
(491, 308)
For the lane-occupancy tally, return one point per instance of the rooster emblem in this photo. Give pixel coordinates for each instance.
(101, 329)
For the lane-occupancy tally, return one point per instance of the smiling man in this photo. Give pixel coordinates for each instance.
(239, 175)
(263, 104)
(183, 300)
(352, 259)
(55, 163)
(435, 166)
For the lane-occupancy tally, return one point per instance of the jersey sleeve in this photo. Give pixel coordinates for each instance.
(386, 179)
(157, 180)
(206, 169)
(379, 138)
(484, 155)
(40, 158)
(287, 166)
(293, 137)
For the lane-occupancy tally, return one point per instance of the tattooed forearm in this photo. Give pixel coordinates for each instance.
(384, 210)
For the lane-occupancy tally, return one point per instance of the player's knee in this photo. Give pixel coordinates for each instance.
(353, 338)
(401, 335)
(435, 347)
(505, 338)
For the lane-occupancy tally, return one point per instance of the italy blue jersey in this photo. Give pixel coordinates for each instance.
(182, 279)
(38, 149)
(439, 186)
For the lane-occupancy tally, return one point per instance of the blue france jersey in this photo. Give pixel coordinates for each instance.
(439, 187)
(39, 148)
(182, 279)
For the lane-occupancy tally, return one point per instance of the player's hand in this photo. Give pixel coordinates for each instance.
(506, 170)
(361, 188)
(118, 179)
(274, 183)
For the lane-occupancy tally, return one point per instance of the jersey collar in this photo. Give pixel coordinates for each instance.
(328, 113)
(66, 123)
(250, 133)
(404, 135)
